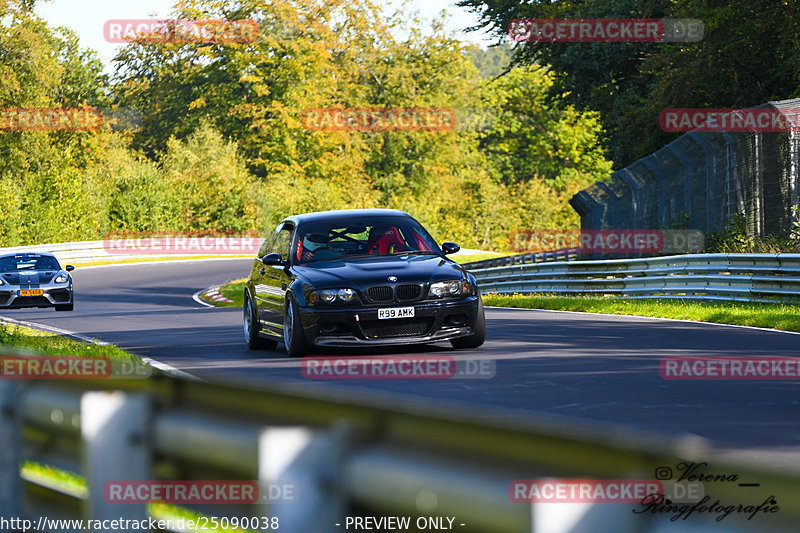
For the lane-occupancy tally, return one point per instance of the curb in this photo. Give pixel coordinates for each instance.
(211, 293)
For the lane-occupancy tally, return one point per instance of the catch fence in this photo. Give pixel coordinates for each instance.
(703, 181)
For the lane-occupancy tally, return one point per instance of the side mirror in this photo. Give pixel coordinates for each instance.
(272, 259)
(69, 268)
(450, 248)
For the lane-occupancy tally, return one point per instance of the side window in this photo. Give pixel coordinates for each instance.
(264, 247)
(269, 242)
(283, 240)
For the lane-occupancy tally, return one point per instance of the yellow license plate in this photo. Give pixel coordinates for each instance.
(31, 292)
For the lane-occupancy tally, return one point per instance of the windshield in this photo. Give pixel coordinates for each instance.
(321, 241)
(42, 262)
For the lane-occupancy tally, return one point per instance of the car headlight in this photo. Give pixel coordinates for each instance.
(456, 287)
(333, 296)
(61, 278)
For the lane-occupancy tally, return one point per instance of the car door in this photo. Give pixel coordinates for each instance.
(257, 273)
(275, 280)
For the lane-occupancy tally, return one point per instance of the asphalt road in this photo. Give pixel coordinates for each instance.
(599, 368)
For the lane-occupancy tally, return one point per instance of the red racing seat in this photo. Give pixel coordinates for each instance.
(385, 241)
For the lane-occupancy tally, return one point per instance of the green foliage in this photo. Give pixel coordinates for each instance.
(493, 61)
(748, 57)
(536, 138)
(223, 149)
(735, 240)
(210, 184)
(138, 200)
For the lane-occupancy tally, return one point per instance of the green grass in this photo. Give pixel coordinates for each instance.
(45, 343)
(779, 316)
(22, 341)
(473, 258)
(235, 291)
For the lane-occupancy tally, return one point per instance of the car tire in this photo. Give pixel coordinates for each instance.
(251, 336)
(65, 307)
(477, 338)
(293, 336)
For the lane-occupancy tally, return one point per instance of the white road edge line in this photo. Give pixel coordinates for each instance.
(171, 370)
(648, 318)
(196, 298)
(164, 367)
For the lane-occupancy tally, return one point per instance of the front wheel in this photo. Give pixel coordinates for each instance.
(251, 327)
(293, 336)
(478, 336)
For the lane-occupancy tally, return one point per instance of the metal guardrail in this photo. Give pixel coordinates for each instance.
(65, 251)
(110, 250)
(732, 277)
(347, 456)
(566, 254)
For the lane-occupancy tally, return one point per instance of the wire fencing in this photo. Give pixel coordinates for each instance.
(705, 179)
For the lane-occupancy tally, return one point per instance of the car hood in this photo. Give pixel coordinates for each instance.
(28, 277)
(366, 271)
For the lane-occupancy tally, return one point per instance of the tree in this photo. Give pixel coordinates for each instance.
(748, 57)
(493, 61)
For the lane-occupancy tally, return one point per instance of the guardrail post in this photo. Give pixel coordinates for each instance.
(115, 448)
(10, 443)
(309, 462)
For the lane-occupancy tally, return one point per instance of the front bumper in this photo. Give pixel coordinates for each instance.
(433, 321)
(51, 296)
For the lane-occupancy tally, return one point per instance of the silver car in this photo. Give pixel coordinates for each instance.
(35, 280)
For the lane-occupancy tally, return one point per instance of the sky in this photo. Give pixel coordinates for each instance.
(86, 18)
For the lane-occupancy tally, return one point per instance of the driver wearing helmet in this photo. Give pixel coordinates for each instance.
(311, 244)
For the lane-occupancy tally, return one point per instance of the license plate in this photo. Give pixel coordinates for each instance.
(30, 292)
(396, 312)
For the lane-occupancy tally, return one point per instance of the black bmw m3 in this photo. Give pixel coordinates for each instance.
(358, 278)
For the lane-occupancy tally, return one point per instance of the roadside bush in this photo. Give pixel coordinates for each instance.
(208, 185)
(735, 240)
